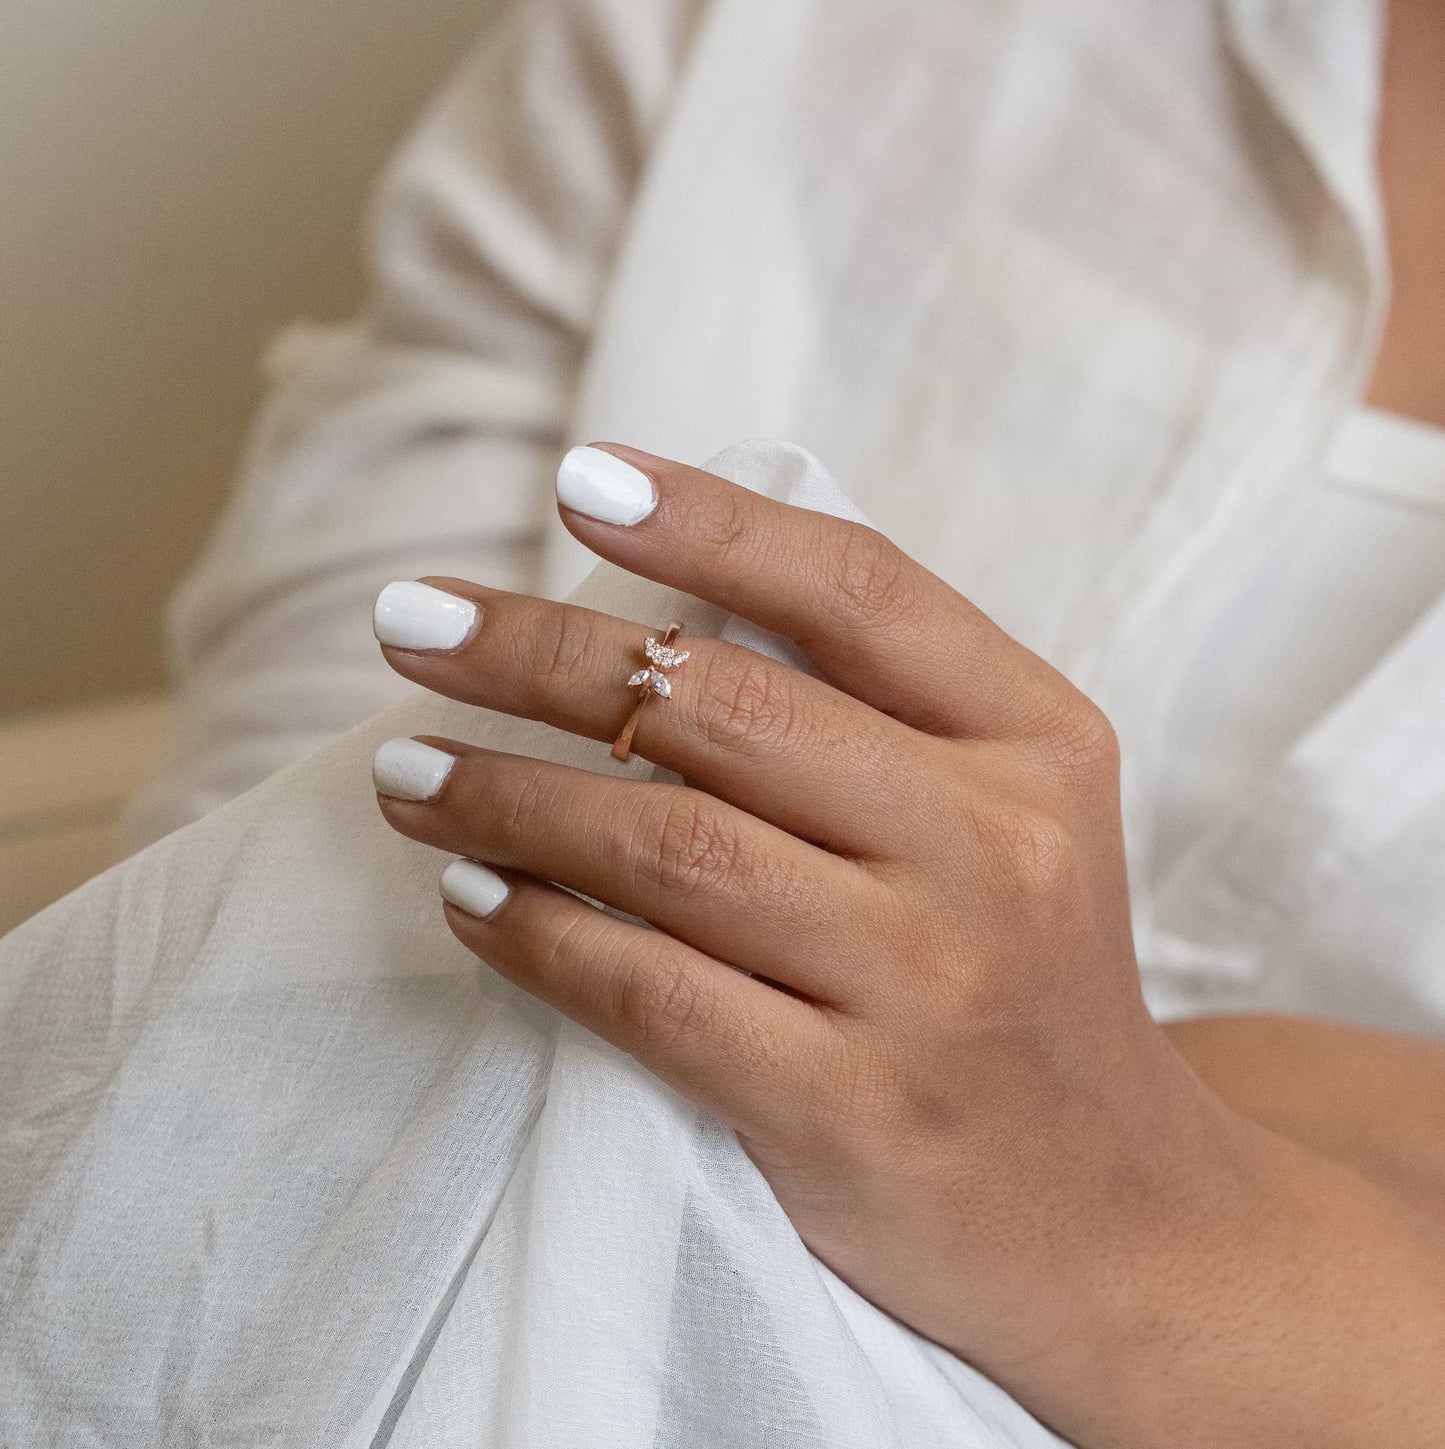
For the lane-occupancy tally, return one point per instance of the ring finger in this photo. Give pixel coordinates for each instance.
(783, 746)
(705, 872)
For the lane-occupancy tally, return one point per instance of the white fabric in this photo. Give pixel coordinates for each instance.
(264, 1113)
(1359, 559)
(1073, 299)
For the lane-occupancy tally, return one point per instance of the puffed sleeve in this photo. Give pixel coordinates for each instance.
(422, 436)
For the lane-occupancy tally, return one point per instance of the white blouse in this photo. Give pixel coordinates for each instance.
(1356, 562)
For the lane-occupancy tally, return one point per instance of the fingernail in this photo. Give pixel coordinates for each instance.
(416, 616)
(410, 770)
(603, 486)
(473, 888)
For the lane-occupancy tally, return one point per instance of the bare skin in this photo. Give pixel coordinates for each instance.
(957, 1095)
(1409, 375)
(1368, 1099)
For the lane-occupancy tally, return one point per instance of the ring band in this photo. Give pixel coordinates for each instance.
(649, 680)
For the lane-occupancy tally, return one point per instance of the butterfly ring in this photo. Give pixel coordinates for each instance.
(649, 680)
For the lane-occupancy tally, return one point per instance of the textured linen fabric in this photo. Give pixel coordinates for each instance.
(1359, 560)
(282, 1167)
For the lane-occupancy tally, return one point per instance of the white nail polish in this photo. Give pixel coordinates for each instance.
(473, 888)
(416, 616)
(603, 486)
(410, 770)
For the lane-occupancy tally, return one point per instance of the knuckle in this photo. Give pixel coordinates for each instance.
(729, 526)
(659, 1001)
(524, 805)
(1076, 740)
(1092, 738)
(1032, 852)
(899, 1110)
(876, 1087)
(746, 700)
(562, 645)
(867, 576)
(572, 947)
(692, 849)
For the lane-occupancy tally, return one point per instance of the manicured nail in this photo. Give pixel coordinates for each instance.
(603, 486)
(416, 616)
(473, 888)
(410, 770)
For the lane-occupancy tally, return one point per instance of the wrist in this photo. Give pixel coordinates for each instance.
(1106, 1318)
(1227, 1267)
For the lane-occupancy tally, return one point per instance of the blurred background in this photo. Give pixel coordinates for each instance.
(178, 178)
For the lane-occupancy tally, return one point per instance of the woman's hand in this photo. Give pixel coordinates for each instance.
(892, 943)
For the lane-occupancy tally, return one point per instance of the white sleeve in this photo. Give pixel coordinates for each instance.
(421, 437)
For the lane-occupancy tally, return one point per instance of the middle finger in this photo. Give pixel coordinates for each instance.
(787, 748)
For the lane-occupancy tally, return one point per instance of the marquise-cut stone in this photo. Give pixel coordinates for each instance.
(662, 685)
(640, 677)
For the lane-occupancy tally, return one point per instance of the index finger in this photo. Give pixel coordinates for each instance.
(870, 619)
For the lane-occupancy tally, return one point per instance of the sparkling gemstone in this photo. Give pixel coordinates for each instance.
(662, 685)
(640, 677)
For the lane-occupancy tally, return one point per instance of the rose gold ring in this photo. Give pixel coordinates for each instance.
(649, 680)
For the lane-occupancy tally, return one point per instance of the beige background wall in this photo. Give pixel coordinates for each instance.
(177, 178)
